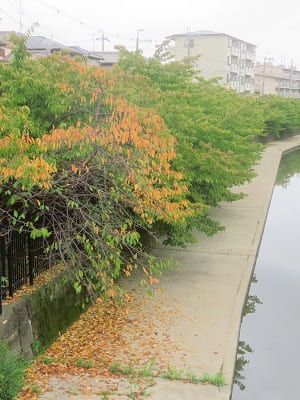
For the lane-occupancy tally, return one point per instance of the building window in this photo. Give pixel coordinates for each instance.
(229, 42)
(236, 43)
(234, 60)
(189, 43)
(233, 77)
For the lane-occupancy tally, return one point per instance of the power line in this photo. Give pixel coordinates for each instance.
(78, 21)
(8, 16)
(17, 6)
(18, 10)
(13, 4)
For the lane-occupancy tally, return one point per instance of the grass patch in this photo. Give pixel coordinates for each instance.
(115, 368)
(48, 360)
(148, 369)
(174, 373)
(12, 371)
(84, 363)
(36, 389)
(217, 380)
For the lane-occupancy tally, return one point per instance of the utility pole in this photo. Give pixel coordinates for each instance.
(103, 39)
(21, 12)
(264, 73)
(138, 39)
(291, 79)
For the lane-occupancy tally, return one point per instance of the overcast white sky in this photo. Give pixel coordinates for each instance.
(274, 26)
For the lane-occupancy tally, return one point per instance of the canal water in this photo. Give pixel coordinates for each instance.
(268, 357)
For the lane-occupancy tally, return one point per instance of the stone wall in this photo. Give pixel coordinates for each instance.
(36, 320)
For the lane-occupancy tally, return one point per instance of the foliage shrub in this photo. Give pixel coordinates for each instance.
(12, 371)
(282, 115)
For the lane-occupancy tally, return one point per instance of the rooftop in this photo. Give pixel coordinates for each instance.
(204, 33)
(38, 42)
(109, 57)
(42, 43)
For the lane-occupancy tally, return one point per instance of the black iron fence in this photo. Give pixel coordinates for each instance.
(21, 260)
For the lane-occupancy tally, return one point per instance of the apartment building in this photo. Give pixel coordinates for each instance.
(277, 79)
(220, 56)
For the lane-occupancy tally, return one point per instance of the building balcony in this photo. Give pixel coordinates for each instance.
(234, 67)
(235, 51)
(233, 84)
(248, 86)
(250, 56)
(288, 85)
(249, 71)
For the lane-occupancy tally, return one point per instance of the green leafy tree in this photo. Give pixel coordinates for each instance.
(215, 128)
(83, 169)
(282, 115)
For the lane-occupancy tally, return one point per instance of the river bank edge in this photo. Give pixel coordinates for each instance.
(273, 153)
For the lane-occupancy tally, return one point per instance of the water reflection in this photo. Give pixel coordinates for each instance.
(240, 363)
(272, 356)
(289, 167)
(252, 301)
(244, 348)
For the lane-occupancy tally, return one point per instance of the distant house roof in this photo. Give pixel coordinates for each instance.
(39, 43)
(82, 52)
(109, 57)
(203, 33)
(42, 43)
(196, 33)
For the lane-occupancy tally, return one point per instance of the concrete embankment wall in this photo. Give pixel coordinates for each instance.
(35, 321)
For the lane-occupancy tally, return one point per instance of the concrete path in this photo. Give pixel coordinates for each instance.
(209, 291)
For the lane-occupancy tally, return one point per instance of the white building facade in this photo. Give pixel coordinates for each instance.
(220, 56)
(277, 79)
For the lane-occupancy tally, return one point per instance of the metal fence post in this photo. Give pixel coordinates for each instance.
(10, 266)
(2, 270)
(30, 259)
